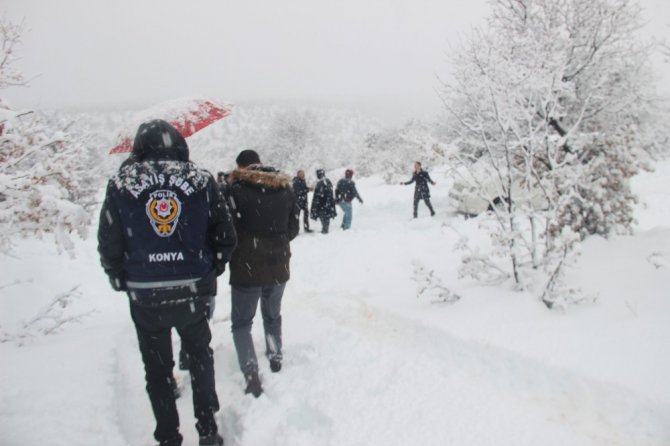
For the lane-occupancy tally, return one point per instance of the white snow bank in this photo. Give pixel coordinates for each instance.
(367, 362)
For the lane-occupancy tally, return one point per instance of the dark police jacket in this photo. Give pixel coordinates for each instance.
(265, 213)
(165, 232)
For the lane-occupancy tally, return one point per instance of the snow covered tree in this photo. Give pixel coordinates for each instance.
(294, 139)
(287, 137)
(393, 151)
(10, 39)
(46, 179)
(553, 98)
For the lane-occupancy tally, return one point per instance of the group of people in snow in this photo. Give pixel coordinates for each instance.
(167, 230)
(324, 200)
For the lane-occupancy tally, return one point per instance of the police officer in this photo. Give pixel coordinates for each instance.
(165, 234)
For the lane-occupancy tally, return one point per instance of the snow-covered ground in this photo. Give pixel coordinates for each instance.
(368, 359)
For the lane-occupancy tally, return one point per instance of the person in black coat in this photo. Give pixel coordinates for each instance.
(301, 190)
(323, 201)
(266, 214)
(165, 234)
(421, 191)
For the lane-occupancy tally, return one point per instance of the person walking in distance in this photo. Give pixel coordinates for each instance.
(165, 234)
(301, 190)
(421, 192)
(323, 201)
(345, 192)
(266, 217)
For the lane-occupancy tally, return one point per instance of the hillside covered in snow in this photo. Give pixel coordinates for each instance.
(373, 354)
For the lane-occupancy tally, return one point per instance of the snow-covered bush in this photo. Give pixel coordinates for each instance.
(50, 319)
(429, 285)
(594, 196)
(47, 180)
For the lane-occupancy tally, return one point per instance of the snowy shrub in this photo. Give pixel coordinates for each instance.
(47, 181)
(430, 287)
(594, 195)
(50, 319)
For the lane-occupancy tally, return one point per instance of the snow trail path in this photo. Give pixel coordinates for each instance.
(356, 373)
(360, 376)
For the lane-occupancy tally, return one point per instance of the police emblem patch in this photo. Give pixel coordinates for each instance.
(163, 210)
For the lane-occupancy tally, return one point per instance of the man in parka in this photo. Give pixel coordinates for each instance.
(165, 235)
(266, 214)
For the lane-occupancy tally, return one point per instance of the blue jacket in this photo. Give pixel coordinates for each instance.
(165, 232)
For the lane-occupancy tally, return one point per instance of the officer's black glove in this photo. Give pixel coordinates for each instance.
(118, 283)
(220, 268)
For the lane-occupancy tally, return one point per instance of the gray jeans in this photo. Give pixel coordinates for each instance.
(244, 304)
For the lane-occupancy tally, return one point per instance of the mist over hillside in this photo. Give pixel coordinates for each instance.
(288, 137)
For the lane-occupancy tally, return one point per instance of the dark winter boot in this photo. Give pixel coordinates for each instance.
(430, 206)
(211, 440)
(275, 365)
(176, 441)
(253, 385)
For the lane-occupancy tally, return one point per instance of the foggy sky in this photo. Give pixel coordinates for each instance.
(105, 54)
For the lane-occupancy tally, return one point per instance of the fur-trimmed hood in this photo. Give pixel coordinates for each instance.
(260, 176)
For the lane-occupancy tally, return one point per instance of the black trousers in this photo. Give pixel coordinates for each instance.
(426, 199)
(325, 224)
(305, 217)
(153, 326)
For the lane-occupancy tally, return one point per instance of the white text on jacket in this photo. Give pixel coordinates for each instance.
(165, 256)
